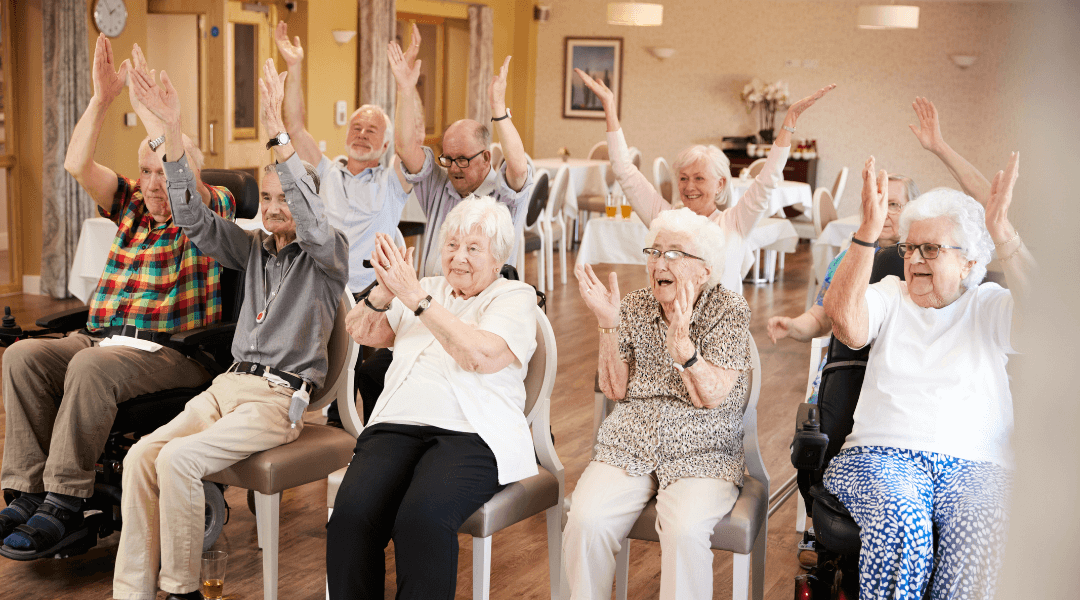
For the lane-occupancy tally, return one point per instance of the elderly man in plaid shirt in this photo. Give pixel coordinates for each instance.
(60, 396)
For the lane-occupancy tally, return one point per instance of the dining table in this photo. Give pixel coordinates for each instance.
(786, 193)
(588, 177)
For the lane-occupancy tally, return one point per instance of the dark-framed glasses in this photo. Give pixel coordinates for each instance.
(670, 255)
(461, 161)
(928, 251)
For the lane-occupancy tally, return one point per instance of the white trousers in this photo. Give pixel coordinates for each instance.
(605, 505)
(163, 505)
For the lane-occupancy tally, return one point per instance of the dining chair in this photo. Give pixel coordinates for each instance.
(754, 168)
(663, 178)
(317, 452)
(535, 235)
(520, 500)
(496, 155)
(743, 531)
(824, 212)
(838, 187)
(555, 221)
(635, 157)
(599, 151)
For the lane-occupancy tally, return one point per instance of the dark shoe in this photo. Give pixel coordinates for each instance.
(42, 534)
(196, 595)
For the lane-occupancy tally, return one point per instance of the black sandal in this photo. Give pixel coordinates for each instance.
(46, 542)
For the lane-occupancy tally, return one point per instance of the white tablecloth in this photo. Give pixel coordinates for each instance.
(787, 193)
(92, 253)
(835, 237)
(587, 177)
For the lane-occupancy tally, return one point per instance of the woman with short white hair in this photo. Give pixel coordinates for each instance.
(674, 357)
(929, 449)
(449, 429)
(703, 176)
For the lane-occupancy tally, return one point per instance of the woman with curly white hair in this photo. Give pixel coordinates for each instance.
(675, 357)
(929, 449)
(703, 175)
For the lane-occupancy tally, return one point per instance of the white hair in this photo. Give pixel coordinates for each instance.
(715, 159)
(706, 238)
(492, 216)
(969, 226)
(388, 133)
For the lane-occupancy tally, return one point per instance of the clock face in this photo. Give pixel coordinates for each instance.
(110, 16)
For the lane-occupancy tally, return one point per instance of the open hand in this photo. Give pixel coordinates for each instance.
(997, 207)
(150, 121)
(108, 81)
(875, 202)
(603, 302)
(292, 52)
(497, 89)
(162, 101)
(606, 96)
(403, 65)
(929, 130)
(797, 109)
(394, 271)
(271, 94)
(678, 333)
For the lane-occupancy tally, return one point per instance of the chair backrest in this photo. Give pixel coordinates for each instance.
(599, 151)
(663, 178)
(557, 196)
(755, 465)
(496, 155)
(838, 187)
(635, 157)
(341, 353)
(241, 185)
(755, 167)
(540, 378)
(824, 210)
(538, 198)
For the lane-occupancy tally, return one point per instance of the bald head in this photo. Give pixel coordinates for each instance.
(468, 128)
(467, 139)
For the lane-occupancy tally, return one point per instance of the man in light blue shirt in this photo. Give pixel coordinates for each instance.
(361, 197)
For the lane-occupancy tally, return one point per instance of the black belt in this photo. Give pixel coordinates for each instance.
(263, 370)
(158, 337)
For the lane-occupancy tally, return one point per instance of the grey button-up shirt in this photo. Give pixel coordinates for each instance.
(298, 286)
(438, 197)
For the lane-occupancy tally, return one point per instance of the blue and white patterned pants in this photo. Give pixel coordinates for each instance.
(898, 497)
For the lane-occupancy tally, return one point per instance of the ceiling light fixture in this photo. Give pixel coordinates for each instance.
(635, 13)
(890, 16)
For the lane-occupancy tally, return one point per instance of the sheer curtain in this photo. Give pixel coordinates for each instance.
(481, 51)
(377, 26)
(67, 87)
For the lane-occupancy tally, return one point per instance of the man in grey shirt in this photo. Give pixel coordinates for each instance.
(280, 346)
(464, 168)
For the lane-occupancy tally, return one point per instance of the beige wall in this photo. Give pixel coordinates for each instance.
(693, 97)
(173, 47)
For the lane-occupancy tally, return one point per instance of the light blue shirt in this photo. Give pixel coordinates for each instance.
(360, 206)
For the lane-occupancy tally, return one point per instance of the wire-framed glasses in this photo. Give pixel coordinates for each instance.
(461, 161)
(895, 208)
(928, 251)
(670, 255)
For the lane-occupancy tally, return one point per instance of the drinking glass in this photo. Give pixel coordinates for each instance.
(212, 574)
(611, 206)
(624, 206)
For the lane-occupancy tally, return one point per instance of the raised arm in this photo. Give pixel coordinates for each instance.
(1016, 261)
(409, 132)
(929, 134)
(517, 166)
(803, 328)
(293, 104)
(845, 302)
(605, 304)
(98, 180)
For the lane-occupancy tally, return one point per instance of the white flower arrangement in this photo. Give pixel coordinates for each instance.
(767, 98)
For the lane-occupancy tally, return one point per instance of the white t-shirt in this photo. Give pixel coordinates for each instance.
(492, 405)
(936, 379)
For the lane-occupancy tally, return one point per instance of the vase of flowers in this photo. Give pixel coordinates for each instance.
(767, 99)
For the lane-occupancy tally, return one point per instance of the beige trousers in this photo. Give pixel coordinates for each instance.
(60, 398)
(163, 506)
(605, 505)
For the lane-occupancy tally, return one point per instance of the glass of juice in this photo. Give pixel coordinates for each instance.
(611, 206)
(212, 574)
(624, 206)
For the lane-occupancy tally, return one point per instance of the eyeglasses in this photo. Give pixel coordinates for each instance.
(670, 255)
(928, 251)
(895, 207)
(461, 161)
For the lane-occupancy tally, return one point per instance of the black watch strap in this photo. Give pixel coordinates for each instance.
(424, 304)
(506, 116)
(372, 306)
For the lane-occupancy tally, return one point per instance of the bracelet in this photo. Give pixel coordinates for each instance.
(608, 329)
(1008, 241)
(790, 129)
(1015, 252)
(372, 306)
(855, 240)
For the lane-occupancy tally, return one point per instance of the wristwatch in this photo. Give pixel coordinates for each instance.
(789, 129)
(506, 116)
(156, 142)
(278, 140)
(423, 305)
(686, 365)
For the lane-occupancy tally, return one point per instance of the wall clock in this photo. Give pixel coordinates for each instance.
(110, 16)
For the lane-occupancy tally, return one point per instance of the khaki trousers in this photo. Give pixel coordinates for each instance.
(60, 398)
(605, 505)
(163, 507)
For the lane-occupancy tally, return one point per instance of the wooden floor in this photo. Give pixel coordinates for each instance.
(520, 566)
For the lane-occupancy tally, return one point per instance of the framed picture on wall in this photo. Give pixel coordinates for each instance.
(602, 59)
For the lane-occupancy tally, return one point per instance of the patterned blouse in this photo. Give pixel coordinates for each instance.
(657, 428)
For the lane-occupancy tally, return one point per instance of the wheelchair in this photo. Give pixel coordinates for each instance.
(210, 346)
(820, 432)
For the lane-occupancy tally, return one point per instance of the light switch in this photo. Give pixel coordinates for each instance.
(339, 112)
(130, 119)
(322, 145)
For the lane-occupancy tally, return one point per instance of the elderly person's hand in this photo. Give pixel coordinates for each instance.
(603, 302)
(997, 208)
(394, 271)
(153, 125)
(108, 81)
(291, 52)
(929, 130)
(403, 65)
(797, 109)
(497, 90)
(875, 203)
(271, 95)
(606, 96)
(779, 327)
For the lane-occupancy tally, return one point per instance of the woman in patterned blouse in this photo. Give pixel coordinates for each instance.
(675, 357)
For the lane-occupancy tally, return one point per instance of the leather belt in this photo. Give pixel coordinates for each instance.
(251, 368)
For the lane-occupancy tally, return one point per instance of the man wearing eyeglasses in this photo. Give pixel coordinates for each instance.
(464, 168)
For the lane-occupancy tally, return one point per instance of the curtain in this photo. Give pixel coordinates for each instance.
(67, 87)
(481, 62)
(377, 27)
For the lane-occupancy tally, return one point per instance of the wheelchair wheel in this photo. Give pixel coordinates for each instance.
(216, 513)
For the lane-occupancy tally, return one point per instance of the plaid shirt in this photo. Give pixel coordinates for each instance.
(155, 277)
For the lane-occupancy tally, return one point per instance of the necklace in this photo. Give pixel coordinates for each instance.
(269, 297)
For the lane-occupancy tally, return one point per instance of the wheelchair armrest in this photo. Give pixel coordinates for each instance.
(65, 320)
(809, 445)
(205, 336)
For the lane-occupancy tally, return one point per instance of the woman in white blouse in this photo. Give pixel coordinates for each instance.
(703, 175)
(449, 429)
(929, 449)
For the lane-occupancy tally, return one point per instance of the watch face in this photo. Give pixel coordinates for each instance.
(110, 16)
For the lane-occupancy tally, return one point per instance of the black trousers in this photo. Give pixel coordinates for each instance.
(415, 485)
